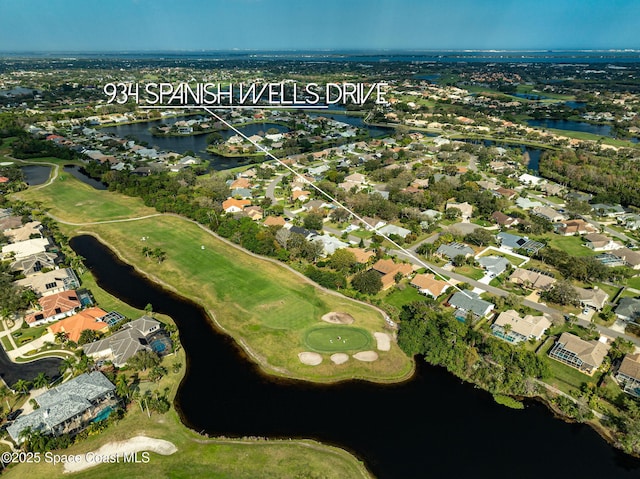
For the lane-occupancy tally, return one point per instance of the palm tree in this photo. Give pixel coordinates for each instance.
(61, 337)
(4, 394)
(40, 381)
(122, 386)
(67, 363)
(21, 386)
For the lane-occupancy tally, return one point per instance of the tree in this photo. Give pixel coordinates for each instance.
(342, 260)
(40, 381)
(367, 282)
(21, 386)
(87, 336)
(313, 221)
(143, 360)
(149, 309)
(562, 292)
(122, 386)
(458, 260)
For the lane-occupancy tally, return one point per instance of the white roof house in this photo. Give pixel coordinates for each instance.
(25, 248)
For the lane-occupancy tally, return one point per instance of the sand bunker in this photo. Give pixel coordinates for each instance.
(310, 359)
(367, 356)
(119, 449)
(383, 340)
(339, 358)
(338, 318)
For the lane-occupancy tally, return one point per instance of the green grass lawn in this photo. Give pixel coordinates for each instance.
(337, 338)
(634, 282)
(6, 343)
(570, 244)
(470, 271)
(399, 297)
(514, 260)
(564, 377)
(265, 305)
(72, 200)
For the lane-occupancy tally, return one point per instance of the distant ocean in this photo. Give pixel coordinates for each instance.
(373, 56)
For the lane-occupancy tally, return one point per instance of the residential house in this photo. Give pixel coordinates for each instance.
(466, 210)
(244, 193)
(586, 356)
(506, 193)
(600, 242)
(300, 195)
(577, 226)
(504, 220)
(90, 318)
(124, 343)
(515, 329)
(451, 250)
(362, 256)
(25, 248)
(317, 205)
(494, 265)
(26, 231)
(67, 408)
(55, 281)
(274, 221)
(548, 214)
(469, 302)
(552, 189)
(394, 230)
(628, 374)
(231, 205)
(240, 183)
(512, 242)
(34, 263)
(610, 211)
(526, 203)
(329, 243)
(253, 212)
(527, 179)
(630, 258)
(388, 269)
(428, 285)
(632, 222)
(594, 298)
(54, 307)
(532, 279)
(628, 309)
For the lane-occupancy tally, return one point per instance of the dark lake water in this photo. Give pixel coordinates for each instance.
(602, 130)
(576, 105)
(36, 174)
(529, 96)
(181, 144)
(80, 174)
(357, 121)
(432, 426)
(534, 153)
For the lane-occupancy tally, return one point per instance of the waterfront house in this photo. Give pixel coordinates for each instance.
(469, 302)
(67, 408)
(515, 329)
(90, 318)
(124, 343)
(628, 374)
(55, 281)
(54, 307)
(34, 263)
(585, 356)
(25, 248)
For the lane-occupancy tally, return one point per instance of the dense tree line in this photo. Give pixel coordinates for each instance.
(472, 355)
(612, 177)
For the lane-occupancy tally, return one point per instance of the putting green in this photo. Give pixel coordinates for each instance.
(331, 339)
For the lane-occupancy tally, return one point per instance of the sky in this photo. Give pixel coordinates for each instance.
(159, 25)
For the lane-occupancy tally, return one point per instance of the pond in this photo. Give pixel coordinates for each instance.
(581, 126)
(433, 425)
(36, 174)
(80, 173)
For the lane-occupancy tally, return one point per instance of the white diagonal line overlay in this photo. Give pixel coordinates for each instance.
(333, 200)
